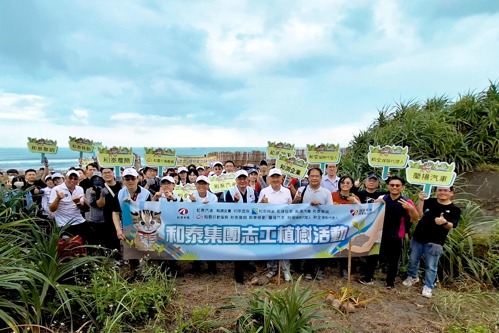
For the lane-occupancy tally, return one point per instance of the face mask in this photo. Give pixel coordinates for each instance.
(98, 183)
(18, 184)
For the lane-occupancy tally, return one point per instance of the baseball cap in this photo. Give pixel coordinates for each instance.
(150, 167)
(72, 172)
(241, 173)
(168, 178)
(218, 163)
(56, 175)
(182, 169)
(96, 174)
(275, 171)
(130, 172)
(203, 179)
(200, 167)
(252, 171)
(373, 176)
(47, 177)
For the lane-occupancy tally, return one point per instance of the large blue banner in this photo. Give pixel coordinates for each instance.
(223, 231)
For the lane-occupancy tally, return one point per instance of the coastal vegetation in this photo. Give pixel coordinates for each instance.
(42, 291)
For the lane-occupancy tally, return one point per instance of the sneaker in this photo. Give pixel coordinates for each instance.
(320, 275)
(410, 281)
(366, 281)
(308, 276)
(426, 292)
(287, 275)
(271, 274)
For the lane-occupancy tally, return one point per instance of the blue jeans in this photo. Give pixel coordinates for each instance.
(432, 253)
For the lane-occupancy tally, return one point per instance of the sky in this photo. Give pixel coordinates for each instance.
(232, 73)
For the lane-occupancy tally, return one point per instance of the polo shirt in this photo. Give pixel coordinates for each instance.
(282, 196)
(67, 212)
(332, 186)
(321, 195)
(210, 197)
(141, 194)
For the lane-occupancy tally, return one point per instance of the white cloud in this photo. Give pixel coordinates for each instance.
(22, 107)
(136, 119)
(79, 116)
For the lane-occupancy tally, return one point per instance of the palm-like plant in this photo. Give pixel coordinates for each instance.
(289, 310)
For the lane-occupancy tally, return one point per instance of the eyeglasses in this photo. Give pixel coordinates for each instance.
(395, 185)
(129, 178)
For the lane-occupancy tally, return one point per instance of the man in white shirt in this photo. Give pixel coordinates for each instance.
(315, 195)
(330, 179)
(275, 193)
(66, 201)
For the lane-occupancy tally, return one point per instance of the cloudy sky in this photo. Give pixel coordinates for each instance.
(232, 73)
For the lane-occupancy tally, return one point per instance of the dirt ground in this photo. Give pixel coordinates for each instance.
(401, 309)
(483, 187)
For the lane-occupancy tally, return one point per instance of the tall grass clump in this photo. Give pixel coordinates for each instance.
(34, 280)
(289, 310)
(465, 131)
(472, 249)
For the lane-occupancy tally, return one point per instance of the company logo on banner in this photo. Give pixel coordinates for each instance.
(219, 231)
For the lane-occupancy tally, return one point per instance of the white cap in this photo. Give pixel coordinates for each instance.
(240, 173)
(203, 179)
(48, 176)
(96, 174)
(168, 178)
(182, 169)
(130, 172)
(57, 175)
(218, 163)
(275, 171)
(72, 172)
(200, 167)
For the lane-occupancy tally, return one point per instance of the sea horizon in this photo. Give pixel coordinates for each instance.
(21, 158)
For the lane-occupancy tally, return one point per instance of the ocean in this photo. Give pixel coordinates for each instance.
(22, 158)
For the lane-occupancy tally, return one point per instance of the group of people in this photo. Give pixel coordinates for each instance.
(88, 202)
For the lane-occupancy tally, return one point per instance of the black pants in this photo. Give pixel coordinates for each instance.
(391, 249)
(81, 229)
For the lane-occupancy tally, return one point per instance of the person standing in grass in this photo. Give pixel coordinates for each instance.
(315, 195)
(438, 216)
(241, 193)
(399, 213)
(275, 193)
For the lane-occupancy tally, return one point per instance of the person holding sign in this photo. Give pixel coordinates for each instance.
(399, 213)
(438, 216)
(132, 191)
(344, 196)
(166, 190)
(202, 195)
(371, 191)
(241, 193)
(276, 194)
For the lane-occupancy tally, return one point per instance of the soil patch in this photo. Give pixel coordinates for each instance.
(401, 309)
